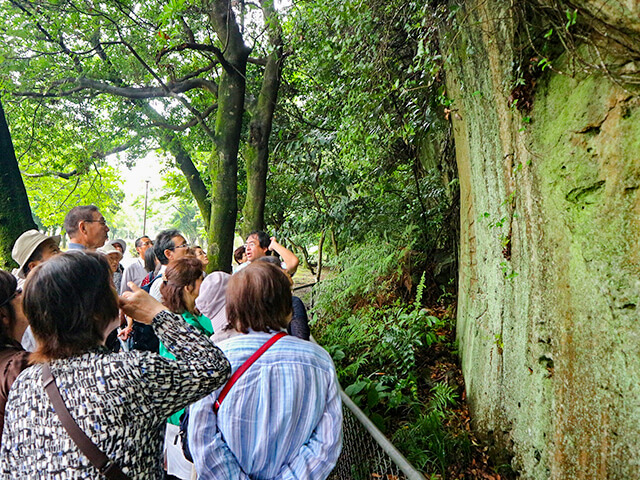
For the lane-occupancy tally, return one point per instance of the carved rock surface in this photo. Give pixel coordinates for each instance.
(549, 279)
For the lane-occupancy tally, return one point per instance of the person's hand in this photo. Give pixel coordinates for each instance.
(274, 243)
(125, 333)
(139, 305)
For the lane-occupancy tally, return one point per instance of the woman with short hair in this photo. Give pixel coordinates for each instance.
(120, 401)
(282, 418)
(13, 323)
(180, 287)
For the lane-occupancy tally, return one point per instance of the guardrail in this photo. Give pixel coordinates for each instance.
(366, 453)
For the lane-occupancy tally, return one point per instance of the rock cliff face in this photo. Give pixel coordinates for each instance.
(549, 279)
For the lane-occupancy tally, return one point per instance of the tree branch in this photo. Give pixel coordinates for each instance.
(200, 47)
(66, 176)
(185, 126)
(84, 83)
(50, 38)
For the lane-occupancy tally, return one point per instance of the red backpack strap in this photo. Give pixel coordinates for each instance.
(236, 375)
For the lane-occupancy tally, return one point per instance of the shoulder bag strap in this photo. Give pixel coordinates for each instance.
(236, 375)
(97, 458)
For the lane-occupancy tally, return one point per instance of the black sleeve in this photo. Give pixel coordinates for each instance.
(299, 326)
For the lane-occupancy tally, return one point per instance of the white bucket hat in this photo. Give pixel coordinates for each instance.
(108, 249)
(122, 243)
(26, 244)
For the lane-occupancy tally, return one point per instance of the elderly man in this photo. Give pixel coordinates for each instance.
(86, 227)
(135, 272)
(259, 244)
(169, 245)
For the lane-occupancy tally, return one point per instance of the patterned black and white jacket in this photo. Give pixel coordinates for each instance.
(120, 400)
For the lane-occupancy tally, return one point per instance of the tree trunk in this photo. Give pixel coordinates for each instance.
(223, 165)
(257, 151)
(15, 213)
(320, 245)
(305, 257)
(334, 242)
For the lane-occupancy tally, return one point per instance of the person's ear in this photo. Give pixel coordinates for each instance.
(33, 264)
(4, 317)
(168, 253)
(82, 227)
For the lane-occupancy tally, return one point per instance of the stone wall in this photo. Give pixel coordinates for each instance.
(549, 279)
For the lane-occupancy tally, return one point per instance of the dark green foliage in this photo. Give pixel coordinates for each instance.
(428, 443)
(362, 140)
(384, 347)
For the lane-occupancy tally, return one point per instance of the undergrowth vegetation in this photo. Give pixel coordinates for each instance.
(396, 358)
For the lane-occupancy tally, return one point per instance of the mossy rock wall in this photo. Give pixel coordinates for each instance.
(549, 276)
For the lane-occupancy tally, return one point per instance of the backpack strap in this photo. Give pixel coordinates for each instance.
(98, 459)
(236, 375)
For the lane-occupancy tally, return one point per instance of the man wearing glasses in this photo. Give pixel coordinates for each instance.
(86, 227)
(168, 245)
(259, 244)
(135, 272)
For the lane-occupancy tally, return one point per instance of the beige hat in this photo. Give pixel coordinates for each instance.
(108, 249)
(26, 244)
(122, 243)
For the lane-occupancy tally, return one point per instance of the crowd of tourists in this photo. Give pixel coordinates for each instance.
(159, 370)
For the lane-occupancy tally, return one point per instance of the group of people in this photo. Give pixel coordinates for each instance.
(69, 327)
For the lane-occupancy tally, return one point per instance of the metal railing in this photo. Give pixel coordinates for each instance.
(366, 453)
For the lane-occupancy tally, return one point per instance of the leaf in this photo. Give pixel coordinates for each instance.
(372, 397)
(355, 388)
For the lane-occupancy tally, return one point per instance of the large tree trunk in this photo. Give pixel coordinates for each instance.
(15, 213)
(257, 151)
(223, 166)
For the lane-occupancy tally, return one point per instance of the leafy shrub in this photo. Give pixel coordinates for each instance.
(373, 274)
(381, 345)
(426, 441)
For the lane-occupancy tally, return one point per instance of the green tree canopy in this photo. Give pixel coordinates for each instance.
(109, 76)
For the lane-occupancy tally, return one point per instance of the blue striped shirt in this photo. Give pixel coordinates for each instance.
(282, 419)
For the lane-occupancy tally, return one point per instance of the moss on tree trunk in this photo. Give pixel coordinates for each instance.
(15, 213)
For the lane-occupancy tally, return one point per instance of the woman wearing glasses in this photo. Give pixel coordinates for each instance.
(13, 358)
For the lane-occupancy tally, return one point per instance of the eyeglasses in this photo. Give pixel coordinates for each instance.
(11, 297)
(144, 244)
(184, 245)
(102, 222)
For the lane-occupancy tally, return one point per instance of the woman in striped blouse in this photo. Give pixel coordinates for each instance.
(283, 417)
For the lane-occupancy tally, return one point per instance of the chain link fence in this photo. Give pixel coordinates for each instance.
(366, 453)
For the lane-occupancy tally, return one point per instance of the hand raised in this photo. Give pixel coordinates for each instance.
(139, 305)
